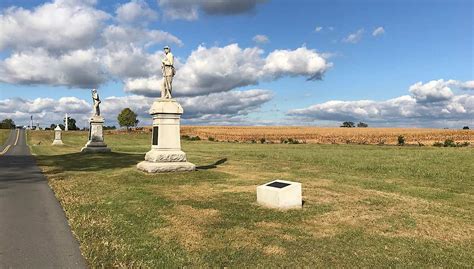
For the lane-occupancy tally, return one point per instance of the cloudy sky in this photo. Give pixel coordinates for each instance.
(247, 62)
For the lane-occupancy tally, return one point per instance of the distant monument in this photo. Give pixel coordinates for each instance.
(57, 136)
(96, 123)
(66, 123)
(166, 154)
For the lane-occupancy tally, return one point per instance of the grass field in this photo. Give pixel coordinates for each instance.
(4, 133)
(321, 135)
(365, 206)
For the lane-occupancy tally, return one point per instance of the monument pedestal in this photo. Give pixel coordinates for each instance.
(166, 154)
(96, 137)
(57, 137)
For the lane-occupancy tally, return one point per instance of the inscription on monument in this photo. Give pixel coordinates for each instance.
(155, 136)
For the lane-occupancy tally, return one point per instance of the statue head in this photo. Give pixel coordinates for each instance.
(166, 49)
(94, 91)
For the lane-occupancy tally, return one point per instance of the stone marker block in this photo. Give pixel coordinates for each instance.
(280, 194)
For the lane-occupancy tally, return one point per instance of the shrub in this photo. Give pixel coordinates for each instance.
(401, 140)
(262, 140)
(449, 143)
(465, 128)
(212, 139)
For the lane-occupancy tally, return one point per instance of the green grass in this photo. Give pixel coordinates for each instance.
(365, 206)
(4, 133)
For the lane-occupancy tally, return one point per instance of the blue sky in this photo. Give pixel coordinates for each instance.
(422, 41)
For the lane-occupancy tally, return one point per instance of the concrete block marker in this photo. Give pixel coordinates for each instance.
(280, 194)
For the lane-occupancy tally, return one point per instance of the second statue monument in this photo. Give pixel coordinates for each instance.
(166, 154)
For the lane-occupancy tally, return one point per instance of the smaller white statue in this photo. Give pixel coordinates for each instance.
(167, 67)
(96, 100)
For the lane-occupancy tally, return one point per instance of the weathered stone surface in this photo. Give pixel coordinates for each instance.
(95, 150)
(96, 144)
(280, 194)
(152, 167)
(57, 137)
(166, 154)
(156, 155)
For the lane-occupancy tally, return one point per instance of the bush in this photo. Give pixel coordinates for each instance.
(401, 140)
(449, 143)
(262, 140)
(190, 138)
(212, 139)
(465, 128)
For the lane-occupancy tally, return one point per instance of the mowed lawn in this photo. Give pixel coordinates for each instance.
(4, 133)
(364, 206)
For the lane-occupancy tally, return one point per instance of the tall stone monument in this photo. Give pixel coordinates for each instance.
(57, 136)
(166, 154)
(95, 142)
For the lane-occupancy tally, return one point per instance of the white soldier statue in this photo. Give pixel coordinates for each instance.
(167, 67)
(96, 100)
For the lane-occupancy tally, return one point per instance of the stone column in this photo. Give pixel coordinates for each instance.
(95, 142)
(166, 154)
(57, 136)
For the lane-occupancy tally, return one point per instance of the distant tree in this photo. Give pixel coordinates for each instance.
(71, 123)
(401, 140)
(465, 128)
(348, 124)
(61, 126)
(110, 127)
(362, 125)
(7, 124)
(127, 118)
(52, 126)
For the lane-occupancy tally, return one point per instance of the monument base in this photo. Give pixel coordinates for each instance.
(96, 149)
(96, 137)
(152, 167)
(58, 143)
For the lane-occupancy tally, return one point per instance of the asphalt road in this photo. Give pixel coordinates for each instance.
(34, 232)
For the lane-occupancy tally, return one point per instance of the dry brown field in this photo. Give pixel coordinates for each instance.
(323, 135)
(328, 135)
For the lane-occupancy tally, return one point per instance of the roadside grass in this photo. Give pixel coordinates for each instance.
(365, 206)
(4, 133)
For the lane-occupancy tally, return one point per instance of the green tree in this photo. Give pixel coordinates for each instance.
(7, 124)
(127, 118)
(52, 126)
(71, 123)
(348, 124)
(362, 125)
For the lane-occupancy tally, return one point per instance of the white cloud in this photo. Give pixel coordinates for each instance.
(55, 26)
(433, 91)
(261, 39)
(67, 43)
(354, 37)
(189, 9)
(467, 85)
(79, 68)
(318, 29)
(378, 31)
(430, 104)
(299, 62)
(220, 69)
(135, 12)
(44, 110)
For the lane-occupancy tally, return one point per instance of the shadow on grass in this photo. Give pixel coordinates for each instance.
(212, 166)
(89, 162)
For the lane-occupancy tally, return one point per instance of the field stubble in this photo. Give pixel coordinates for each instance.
(321, 135)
